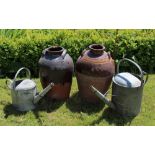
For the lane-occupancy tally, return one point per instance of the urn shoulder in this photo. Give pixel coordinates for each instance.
(56, 58)
(95, 61)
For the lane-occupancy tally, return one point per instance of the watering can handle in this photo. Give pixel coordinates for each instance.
(23, 68)
(134, 63)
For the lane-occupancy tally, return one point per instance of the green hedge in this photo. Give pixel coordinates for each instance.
(23, 47)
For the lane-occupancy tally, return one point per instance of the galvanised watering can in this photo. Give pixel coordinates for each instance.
(24, 92)
(127, 91)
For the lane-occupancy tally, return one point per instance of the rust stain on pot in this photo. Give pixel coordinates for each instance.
(102, 61)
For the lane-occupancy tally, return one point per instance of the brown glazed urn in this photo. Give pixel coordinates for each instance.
(55, 65)
(94, 67)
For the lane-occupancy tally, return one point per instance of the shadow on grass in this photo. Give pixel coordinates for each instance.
(48, 105)
(112, 117)
(75, 104)
(43, 105)
(9, 109)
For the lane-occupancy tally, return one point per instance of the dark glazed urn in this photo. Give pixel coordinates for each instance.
(94, 67)
(56, 66)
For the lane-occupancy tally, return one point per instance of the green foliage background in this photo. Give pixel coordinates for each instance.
(24, 47)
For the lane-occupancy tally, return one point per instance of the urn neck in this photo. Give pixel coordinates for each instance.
(55, 50)
(97, 49)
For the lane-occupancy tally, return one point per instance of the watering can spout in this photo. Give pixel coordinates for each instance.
(43, 93)
(102, 97)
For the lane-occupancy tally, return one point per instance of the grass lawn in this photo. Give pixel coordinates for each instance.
(74, 112)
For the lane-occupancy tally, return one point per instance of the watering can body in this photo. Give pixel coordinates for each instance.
(23, 100)
(24, 92)
(127, 91)
(127, 101)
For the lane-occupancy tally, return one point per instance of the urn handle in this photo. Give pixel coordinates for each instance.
(146, 78)
(109, 55)
(142, 73)
(23, 68)
(64, 53)
(83, 52)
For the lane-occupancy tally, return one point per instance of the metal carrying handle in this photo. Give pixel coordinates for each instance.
(23, 68)
(142, 73)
